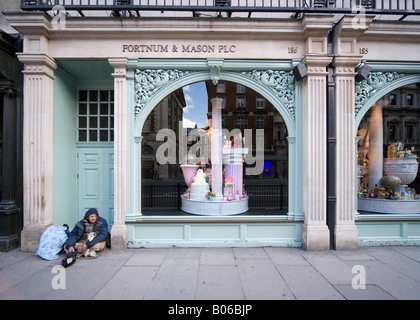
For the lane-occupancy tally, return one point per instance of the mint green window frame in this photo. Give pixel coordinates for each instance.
(175, 74)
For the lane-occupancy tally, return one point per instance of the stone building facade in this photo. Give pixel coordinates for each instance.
(144, 59)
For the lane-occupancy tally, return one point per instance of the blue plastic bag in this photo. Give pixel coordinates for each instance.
(52, 241)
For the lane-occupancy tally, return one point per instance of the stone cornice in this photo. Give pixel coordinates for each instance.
(28, 23)
(392, 31)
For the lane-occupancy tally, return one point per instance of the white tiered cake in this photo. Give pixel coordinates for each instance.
(199, 188)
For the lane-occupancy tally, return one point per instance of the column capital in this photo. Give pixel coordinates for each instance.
(8, 91)
(345, 65)
(7, 87)
(138, 139)
(38, 64)
(291, 139)
(317, 64)
(120, 67)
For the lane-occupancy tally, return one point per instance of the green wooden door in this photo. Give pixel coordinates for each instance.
(96, 181)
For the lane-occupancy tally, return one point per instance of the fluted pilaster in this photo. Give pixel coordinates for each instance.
(37, 146)
(346, 234)
(119, 236)
(315, 233)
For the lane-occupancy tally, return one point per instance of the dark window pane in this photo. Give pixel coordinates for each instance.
(93, 122)
(104, 122)
(103, 135)
(93, 108)
(93, 135)
(82, 95)
(82, 108)
(104, 108)
(93, 95)
(104, 95)
(82, 122)
(82, 135)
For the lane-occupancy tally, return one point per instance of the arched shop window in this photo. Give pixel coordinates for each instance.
(388, 154)
(242, 109)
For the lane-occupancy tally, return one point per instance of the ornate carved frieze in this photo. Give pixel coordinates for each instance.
(367, 88)
(281, 82)
(149, 82)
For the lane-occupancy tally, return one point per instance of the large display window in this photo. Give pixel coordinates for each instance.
(166, 187)
(388, 153)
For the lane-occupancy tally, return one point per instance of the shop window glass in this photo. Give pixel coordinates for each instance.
(390, 184)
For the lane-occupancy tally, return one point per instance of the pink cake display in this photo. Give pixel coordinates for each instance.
(204, 198)
(199, 188)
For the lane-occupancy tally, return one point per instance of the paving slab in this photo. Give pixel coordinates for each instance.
(129, 283)
(391, 280)
(218, 282)
(306, 283)
(36, 285)
(262, 281)
(147, 257)
(370, 292)
(287, 256)
(410, 251)
(266, 273)
(217, 256)
(331, 267)
(83, 281)
(400, 262)
(250, 253)
(350, 255)
(175, 280)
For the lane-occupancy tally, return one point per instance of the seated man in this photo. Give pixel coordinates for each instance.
(78, 239)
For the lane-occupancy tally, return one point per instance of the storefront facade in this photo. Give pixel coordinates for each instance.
(130, 65)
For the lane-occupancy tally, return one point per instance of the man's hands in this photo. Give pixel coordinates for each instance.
(81, 249)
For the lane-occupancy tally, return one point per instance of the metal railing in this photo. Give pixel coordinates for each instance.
(399, 7)
(169, 196)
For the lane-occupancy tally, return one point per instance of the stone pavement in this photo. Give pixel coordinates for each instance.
(217, 274)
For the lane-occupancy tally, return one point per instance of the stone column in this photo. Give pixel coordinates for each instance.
(216, 147)
(315, 233)
(37, 146)
(345, 230)
(376, 144)
(8, 209)
(119, 232)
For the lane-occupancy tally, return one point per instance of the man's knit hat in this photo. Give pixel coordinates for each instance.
(91, 211)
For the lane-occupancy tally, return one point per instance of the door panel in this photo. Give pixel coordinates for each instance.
(96, 181)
